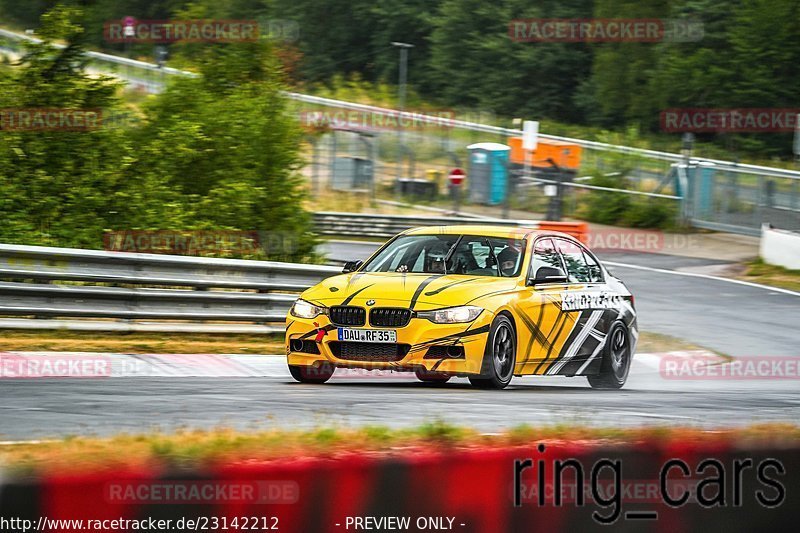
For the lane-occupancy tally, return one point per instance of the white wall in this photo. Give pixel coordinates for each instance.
(780, 247)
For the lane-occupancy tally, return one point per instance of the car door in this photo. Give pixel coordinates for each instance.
(587, 306)
(543, 328)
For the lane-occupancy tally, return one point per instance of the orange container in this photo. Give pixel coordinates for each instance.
(565, 155)
(579, 230)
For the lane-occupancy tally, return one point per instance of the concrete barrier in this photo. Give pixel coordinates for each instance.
(780, 247)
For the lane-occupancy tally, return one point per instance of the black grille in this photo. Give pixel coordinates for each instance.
(392, 317)
(369, 351)
(298, 345)
(443, 352)
(347, 315)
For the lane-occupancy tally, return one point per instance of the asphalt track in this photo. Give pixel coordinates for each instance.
(256, 392)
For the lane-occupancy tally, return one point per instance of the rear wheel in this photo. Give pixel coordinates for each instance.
(616, 360)
(429, 376)
(500, 356)
(312, 374)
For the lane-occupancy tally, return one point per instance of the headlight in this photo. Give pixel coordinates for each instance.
(452, 315)
(304, 309)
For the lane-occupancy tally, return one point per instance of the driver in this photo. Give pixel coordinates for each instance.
(507, 259)
(434, 260)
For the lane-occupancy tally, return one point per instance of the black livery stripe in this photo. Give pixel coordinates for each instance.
(560, 322)
(350, 298)
(418, 292)
(556, 301)
(536, 332)
(308, 334)
(445, 287)
(580, 321)
(495, 293)
(449, 339)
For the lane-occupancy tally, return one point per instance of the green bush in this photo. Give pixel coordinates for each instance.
(218, 152)
(621, 209)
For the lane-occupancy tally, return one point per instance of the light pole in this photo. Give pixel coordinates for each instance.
(401, 96)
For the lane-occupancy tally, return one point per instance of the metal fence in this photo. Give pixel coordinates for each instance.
(385, 226)
(51, 288)
(711, 193)
(43, 284)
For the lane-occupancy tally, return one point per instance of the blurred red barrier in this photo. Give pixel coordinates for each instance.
(579, 230)
(465, 490)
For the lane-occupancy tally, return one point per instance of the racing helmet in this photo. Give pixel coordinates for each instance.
(507, 260)
(434, 259)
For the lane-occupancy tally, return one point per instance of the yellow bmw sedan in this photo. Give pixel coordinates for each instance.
(482, 302)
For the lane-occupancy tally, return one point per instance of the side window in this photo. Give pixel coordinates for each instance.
(544, 255)
(577, 269)
(595, 272)
(509, 254)
(469, 257)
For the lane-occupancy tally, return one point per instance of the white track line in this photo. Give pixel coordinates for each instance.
(703, 276)
(19, 442)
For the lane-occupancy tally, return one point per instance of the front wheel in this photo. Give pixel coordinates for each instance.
(312, 374)
(499, 357)
(616, 360)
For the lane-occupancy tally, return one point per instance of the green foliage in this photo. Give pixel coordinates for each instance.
(463, 56)
(644, 212)
(606, 207)
(621, 209)
(218, 152)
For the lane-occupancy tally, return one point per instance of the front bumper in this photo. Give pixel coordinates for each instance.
(452, 348)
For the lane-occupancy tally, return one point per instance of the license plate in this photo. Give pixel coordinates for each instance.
(367, 335)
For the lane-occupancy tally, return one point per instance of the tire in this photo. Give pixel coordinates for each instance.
(617, 358)
(312, 374)
(428, 376)
(499, 357)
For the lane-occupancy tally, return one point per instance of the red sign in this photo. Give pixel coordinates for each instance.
(456, 176)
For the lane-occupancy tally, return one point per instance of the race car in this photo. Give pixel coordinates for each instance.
(482, 302)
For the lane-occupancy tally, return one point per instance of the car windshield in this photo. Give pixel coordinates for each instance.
(472, 255)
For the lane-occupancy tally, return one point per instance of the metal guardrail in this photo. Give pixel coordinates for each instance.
(52, 288)
(385, 226)
(109, 58)
(126, 286)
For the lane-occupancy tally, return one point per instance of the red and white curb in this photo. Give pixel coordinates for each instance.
(20, 365)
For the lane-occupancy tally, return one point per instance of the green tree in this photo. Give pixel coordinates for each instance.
(475, 62)
(227, 147)
(58, 187)
(618, 92)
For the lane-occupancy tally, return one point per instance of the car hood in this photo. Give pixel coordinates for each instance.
(416, 291)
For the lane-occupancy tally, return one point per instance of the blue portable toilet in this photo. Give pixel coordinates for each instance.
(487, 174)
(699, 189)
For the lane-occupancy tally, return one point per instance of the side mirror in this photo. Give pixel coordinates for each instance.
(351, 266)
(548, 275)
